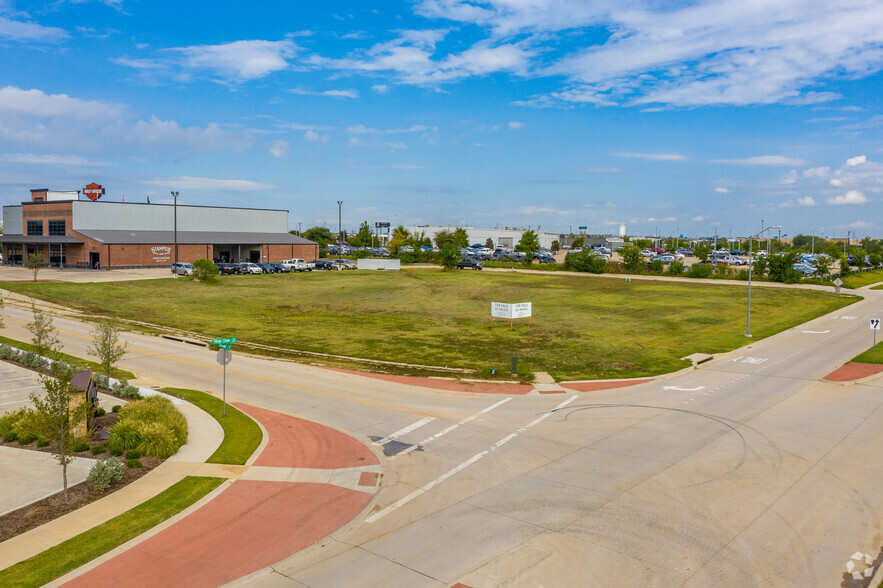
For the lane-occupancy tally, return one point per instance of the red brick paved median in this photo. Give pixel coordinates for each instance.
(296, 443)
(854, 371)
(246, 528)
(592, 386)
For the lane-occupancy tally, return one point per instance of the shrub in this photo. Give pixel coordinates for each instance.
(81, 446)
(32, 360)
(656, 266)
(116, 408)
(409, 257)
(6, 351)
(700, 271)
(102, 381)
(676, 268)
(133, 454)
(100, 412)
(123, 436)
(125, 390)
(157, 440)
(116, 452)
(42, 442)
(743, 275)
(157, 409)
(11, 421)
(27, 438)
(360, 254)
(98, 449)
(104, 473)
(10, 437)
(133, 463)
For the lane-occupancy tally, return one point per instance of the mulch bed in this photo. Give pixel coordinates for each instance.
(50, 508)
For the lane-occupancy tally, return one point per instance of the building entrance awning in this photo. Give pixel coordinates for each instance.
(40, 240)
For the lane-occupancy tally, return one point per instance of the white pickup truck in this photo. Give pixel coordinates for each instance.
(298, 265)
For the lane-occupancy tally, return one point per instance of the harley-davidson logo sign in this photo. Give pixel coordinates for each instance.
(93, 191)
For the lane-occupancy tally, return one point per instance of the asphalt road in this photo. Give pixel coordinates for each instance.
(746, 471)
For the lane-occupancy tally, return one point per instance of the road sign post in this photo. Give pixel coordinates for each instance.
(837, 283)
(225, 356)
(875, 326)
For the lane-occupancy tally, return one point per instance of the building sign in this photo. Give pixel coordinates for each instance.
(511, 311)
(161, 253)
(93, 191)
(381, 225)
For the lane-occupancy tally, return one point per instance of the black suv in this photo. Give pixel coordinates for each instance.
(471, 263)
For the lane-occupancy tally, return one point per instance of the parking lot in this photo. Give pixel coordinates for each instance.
(16, 385)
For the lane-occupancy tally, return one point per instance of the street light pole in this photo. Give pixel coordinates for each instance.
(339, 228)
(750, 267)
(175, 196)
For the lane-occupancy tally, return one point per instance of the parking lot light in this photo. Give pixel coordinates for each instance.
(750, 268)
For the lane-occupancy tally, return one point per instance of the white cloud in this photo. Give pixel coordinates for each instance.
(363, 130)
(37, 103)
(668, 219)
(50, 159)
(816, 172)
(380, 88)
(191, 183)
(515, 125)
(239, 60)
(315, 137)
(836, 182)
(763, 160)
(857, 160)
(26, 32)
(851, 197)
(279, 148)
(331, 93)
(653, 156)
(722, 190)
(861, 225)
(697, 219)
(806, 201)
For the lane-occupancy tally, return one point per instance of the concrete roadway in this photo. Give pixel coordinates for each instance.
(746, 471)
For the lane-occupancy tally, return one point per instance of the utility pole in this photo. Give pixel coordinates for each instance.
(175, 197)
(339, 227)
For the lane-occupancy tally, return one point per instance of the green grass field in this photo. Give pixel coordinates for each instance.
(72, 360)
(71, 554)
(863, 279)
(869, 355)
(583, 326)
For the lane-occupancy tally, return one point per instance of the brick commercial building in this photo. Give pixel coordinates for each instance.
(72, 232)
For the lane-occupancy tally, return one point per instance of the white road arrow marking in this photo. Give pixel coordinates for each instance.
(678, 388)
(401, 432)
(816, 332)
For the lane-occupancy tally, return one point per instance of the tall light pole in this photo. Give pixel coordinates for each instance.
(339, 227)
(175, 197)
(750, 266)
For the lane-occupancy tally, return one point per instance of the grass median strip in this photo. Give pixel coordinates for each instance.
(78, 361)
(71, 554)
(242, 435)
(869, 357)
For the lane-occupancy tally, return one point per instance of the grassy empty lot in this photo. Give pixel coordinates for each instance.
(583, 327)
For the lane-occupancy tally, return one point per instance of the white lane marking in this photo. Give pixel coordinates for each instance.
(678, 388)
(816, 332)
(23, 378)
(430, 485)
(25, 388)
(404, 431)
(454, 426)
(15, 402)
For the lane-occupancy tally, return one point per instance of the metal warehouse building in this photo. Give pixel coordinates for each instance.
(94, 233)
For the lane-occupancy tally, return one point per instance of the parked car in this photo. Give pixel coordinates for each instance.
(182, 269)
(226, 269)
(470, 263)
(298, 265)
(546, 259)
(665, 258)
(323, 265)
(343, 264)
(268, 268)
(250, 268)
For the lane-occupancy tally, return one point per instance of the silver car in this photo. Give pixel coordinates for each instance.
(182, 269)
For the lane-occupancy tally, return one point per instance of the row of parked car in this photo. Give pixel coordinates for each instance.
(247, 267)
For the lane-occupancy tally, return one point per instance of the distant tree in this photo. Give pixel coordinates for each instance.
(874, 259)
(35, 262)
(442, 238)
(320, 235)
(632, 259)
(460, 237)
(449, 256)
(643, 243)
(204, 270)
(53, 417)
(556, 246)
(396, 243)
(802, 241)
(844, 267)
(701, 252)
(759, 266)
(823, 265)
(578, 242)
(656, 266)
(586, 261)
(106, 346)
(419, 240)
(45, 338)
(529, 243)
(363, 237)
(781, 267)
(489, 243)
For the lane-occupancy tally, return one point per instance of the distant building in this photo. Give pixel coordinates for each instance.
(506, 238)
(95, 233)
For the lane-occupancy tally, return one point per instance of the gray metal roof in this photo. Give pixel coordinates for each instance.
(193, 237)
(40, 239)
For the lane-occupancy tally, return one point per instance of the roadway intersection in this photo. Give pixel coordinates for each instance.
(748, 470)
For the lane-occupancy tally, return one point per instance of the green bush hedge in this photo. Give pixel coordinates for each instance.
(151, 426)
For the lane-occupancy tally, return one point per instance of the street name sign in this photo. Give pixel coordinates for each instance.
(225, 341)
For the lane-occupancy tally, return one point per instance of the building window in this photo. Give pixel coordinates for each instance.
(35, 227)
(56, 228)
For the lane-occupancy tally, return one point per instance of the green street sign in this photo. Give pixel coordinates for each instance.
(223, 346)
(225, 341)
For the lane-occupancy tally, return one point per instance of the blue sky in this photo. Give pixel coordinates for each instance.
(688, 117)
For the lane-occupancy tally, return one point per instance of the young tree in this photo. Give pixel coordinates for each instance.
(555, 245)
(53, 417)
(106, 346)
(490, 243)
(45, 338)
(204, 270)
(823, 265)
(701, 252)
(460, 237)
(632, 259)
(419, 240)
(449, 256)
(844, 267)
(442, 238)
(529, 243)
(35, 262)
(578, 242)
(399, 240)
(363, 237)
(320, 235)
